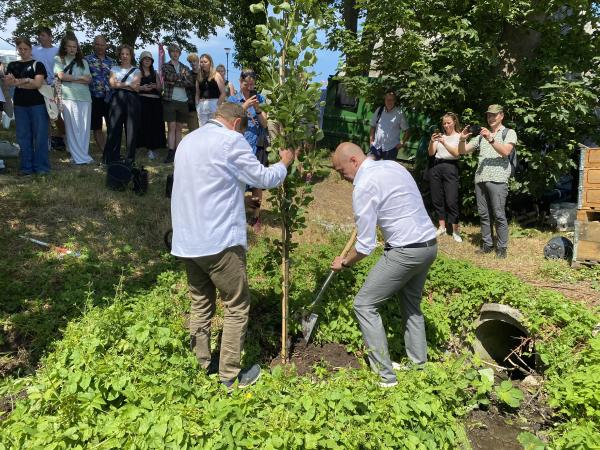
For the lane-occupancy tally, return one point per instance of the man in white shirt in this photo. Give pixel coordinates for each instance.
(213, 165)
(385, 194)
(45, 52)
(386, 124)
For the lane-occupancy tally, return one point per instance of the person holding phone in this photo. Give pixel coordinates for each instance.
(256, 132)
(495, 144)
(151, 133)
(444, 176)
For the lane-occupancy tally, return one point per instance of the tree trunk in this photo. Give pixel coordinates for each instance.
(350, 14)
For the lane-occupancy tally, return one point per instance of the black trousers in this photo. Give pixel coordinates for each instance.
(125, 112)
(444, 183)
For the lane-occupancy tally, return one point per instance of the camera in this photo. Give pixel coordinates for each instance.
(474, 129)
(252, 93)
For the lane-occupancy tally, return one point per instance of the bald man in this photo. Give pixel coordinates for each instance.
(385, 194)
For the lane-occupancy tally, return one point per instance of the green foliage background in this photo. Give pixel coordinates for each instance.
(123, 376)
(538, 59)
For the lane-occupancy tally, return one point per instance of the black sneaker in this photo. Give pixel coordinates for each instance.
(170, 157)
(501, 253)
(245, 378)
(484, 249)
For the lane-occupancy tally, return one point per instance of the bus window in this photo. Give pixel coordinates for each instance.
(344, 100)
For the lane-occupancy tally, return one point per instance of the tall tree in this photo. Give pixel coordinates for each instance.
(128, 21)
(538, 59)
(287, 47)
(242, 31)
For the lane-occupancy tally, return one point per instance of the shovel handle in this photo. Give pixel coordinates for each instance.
(349, 243)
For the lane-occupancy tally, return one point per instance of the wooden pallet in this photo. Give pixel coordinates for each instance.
(586, 249)
(589, 179)
(588, 215)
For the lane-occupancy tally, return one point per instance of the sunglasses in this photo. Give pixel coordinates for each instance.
(248, 74)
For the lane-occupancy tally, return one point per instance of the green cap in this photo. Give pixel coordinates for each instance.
(495, 109)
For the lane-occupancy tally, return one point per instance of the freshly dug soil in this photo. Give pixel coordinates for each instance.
(331, 356)
(498, 426)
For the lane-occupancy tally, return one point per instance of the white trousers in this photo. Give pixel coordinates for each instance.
(78, 117)
(206, 110)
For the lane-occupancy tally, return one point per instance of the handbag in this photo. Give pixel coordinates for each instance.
(49, 94)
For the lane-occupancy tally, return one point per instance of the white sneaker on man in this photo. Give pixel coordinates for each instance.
(440, 231)
(456, 237)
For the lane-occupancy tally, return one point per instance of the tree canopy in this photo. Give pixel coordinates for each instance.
(538, 59)
(124, 21)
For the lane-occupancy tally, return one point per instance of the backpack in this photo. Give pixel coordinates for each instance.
(119, 175)
(512, 157)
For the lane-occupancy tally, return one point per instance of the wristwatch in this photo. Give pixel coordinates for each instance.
(492, 141)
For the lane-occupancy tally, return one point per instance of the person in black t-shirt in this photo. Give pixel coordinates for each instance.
(210, 89)
(151, 134)
(31, 117)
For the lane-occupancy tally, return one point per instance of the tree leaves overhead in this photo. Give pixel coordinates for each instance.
(129, 21)
(242, 32)
(538, 59)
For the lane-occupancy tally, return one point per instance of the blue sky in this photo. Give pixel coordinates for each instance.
(215, 46)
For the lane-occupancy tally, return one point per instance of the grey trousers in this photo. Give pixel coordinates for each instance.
(491, 205)
(225, 271)
(402, 270)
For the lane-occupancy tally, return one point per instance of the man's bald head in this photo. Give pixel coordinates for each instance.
(347, 159)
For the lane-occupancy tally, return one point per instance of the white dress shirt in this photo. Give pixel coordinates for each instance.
(213, 165)
(386, 194)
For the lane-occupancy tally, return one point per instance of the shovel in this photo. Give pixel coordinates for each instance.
(308, 323)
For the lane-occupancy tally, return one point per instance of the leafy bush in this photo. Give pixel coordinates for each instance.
(123, 376)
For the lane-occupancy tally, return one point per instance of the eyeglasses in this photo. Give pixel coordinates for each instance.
(248, 74)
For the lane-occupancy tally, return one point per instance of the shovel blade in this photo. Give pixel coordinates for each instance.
(308, 326)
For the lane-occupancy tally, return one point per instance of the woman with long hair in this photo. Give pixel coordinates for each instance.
(444, 176)
(73, 71)
(31, 117)
(124, 106)
(151, 133)
(210, 89)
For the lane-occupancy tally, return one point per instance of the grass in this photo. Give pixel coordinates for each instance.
(120, 236)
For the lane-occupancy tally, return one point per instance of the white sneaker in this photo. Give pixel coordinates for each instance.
(388, 384)
(151, 154)
(440, 231)
(456, 237)
(407, 366)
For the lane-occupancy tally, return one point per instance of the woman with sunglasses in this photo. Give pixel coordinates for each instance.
(73, 71)
(444, 176)
(210, 89)
(256, 132)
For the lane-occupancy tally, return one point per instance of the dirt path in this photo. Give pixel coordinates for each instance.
(332, 210)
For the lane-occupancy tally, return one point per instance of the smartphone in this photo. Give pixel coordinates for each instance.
(252, 93)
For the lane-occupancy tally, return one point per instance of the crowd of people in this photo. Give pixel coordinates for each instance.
(390, 132)
(225, 155)
(96, 92)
